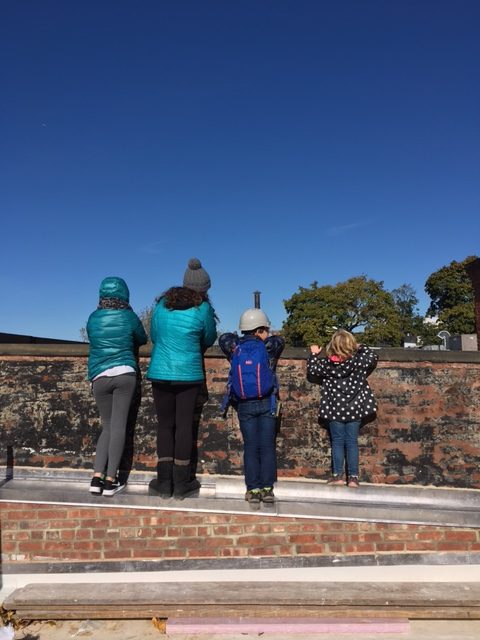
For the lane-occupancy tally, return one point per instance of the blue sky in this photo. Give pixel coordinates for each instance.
(280, 141)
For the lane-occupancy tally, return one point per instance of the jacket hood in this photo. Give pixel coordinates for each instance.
(114, 287)
(345, 367)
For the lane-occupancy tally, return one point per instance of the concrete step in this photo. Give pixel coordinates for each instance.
(357, 600)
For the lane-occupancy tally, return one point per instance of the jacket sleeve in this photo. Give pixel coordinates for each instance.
(227, 343)
(371, 359)
(274, 346)
(153, 325)
(138, 331)
(315, 370)
(210, 328)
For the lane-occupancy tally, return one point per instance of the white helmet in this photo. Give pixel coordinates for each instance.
(252, 319)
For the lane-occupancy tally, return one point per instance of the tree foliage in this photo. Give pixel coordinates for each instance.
(358, 304)
(452, 300)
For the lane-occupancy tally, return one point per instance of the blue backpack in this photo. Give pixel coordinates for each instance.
(250, 377)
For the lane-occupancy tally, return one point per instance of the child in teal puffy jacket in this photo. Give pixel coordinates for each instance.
(115, 332)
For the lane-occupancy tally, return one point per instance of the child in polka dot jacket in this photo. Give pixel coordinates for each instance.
(346, 400)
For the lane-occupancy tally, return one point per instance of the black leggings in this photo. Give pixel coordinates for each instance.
(175, 407)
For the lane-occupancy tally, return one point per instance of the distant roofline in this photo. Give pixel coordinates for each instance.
(18, 338)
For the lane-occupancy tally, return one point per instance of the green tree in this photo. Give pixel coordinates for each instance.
(359, 305)
(451, 293)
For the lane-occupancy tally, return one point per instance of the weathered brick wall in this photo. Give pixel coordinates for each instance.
(35, 533)
(427, 430)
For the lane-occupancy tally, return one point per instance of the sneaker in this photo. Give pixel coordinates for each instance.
(353, 482)
(112, 487)
(96, 485)
(336, 480)
(254, 497)
(267, 495)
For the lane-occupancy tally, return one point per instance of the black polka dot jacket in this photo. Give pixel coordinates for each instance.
(346, 395)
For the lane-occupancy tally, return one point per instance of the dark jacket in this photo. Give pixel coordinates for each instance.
(346, 395)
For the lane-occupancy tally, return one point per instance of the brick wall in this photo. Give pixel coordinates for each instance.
(426, 432)
(35, 533)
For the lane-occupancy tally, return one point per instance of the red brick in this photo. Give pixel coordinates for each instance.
(234, 552)
(132, 544)
(311, 549)
(34, 546)
(218, 542)
(430, 535)
(470, 536)
(51, 514)
(262, 551)
(111, 554)
(174, 553)
(299, 538)
(390, 546)
(200, 553)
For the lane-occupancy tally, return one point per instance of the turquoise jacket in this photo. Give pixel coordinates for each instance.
(179, 337)
(114, 334)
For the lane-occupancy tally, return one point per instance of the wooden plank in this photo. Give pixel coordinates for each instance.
(247, 599)
(372, 594)
(318, 613)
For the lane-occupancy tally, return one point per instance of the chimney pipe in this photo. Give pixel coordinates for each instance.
(256, 299)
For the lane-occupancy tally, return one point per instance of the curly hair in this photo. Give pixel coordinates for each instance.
(183, 298)
(342, 344)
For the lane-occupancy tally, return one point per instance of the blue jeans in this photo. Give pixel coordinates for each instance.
(344, 437)
(258, 426)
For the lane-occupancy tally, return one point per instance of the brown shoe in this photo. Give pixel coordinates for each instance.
(336, 480)
(254, 497)
(353, 482)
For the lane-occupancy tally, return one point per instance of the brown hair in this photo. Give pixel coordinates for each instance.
(183, 298)
(342, 344)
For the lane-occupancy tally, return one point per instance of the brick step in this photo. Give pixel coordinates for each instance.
(358, 600)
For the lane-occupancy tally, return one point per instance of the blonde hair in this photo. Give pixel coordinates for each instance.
(342, 344)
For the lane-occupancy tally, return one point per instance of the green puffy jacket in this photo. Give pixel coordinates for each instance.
(114, 334)
(179, 337)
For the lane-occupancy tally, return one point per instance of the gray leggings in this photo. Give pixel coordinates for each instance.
(113, 397)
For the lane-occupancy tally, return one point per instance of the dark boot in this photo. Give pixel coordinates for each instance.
(162, 485)
(183, 485)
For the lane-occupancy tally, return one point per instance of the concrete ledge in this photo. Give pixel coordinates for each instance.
(391, 354)
(296, 498)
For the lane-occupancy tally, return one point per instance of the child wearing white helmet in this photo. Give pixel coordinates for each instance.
(253, 391)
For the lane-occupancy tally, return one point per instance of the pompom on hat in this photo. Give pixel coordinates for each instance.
(196, 277)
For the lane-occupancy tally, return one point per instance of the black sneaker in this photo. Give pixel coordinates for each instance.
(267, 495)
(254, 497)
(112, 487)
(96, 485)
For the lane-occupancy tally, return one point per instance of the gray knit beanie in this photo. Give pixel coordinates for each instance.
(196, 277)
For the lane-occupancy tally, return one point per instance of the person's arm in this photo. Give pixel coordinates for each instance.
(370, 358)
(274, 346)
(315, 370)
(139, 333)
(227, 343)
(210, 327)
(153, 325)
